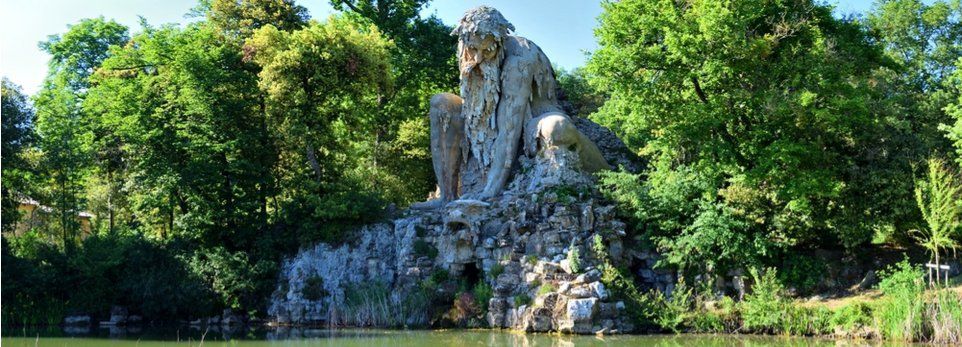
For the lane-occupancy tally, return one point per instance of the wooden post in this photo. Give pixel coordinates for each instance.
(937, 268)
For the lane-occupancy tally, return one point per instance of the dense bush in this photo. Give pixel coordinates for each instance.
(147, 278)
(764, 309)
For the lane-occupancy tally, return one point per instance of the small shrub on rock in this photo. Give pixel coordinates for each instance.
(546, 288)
(425, 249)
(314, 288)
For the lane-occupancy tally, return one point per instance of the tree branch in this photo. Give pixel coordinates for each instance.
(350, 5)
(699, 91)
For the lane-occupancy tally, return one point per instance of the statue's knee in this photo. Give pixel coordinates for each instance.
(446, 102)
(556, 129)
(446, 109)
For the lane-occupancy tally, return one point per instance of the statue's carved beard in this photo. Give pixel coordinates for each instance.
(481, 90)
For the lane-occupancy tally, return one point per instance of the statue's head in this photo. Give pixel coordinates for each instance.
(480, 35)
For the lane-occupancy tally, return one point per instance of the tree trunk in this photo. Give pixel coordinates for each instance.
(312, 159)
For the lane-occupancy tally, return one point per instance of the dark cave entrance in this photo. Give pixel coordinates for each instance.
(471, 275)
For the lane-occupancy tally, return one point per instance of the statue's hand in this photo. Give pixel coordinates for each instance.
(432, 204)
(470, 196)
(486, 195)
(482, 196)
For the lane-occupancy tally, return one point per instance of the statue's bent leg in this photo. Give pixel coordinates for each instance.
(555, 129)
(447, 135)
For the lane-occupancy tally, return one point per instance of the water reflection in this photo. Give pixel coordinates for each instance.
(297, 337)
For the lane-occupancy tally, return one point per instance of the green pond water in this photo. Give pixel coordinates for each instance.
(14, 337)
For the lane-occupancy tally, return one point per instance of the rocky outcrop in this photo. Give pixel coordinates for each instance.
(532, 246)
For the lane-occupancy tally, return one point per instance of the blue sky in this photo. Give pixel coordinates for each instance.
(563, 28)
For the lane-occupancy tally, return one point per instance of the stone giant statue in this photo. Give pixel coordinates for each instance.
(509, 96)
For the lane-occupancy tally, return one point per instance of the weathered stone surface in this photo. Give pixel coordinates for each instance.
(598, 290)
(118, 315)
(582, 310)
(539, 320)
(579, 316)
(497, 311)
(77, 320)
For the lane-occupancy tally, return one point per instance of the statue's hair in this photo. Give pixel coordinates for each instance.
(484, 20)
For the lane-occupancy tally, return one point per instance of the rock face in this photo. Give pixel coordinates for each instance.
(532, 246)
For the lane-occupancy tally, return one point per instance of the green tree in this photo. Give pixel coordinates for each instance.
(753, 115)
(954, 132)
(181, 102)
(18, 137)
(423, 64)
(938, 198)
(66, 135)
(925, 41)
(922, 41)
(582, 99)
(323, 84)
(238, 19)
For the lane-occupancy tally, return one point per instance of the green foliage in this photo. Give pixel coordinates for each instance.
(640, 306)
(939, 197)
(899, 313)
(574, 259)
(802, 272)
(567, 193)
(18, 137)
(425, 249)
(314, 288)
(672, 313)
(67, 137)
(482, 293)
(239, 282)
(522, 300)
(154, 134)
(944, 317)
(319, 123)
(238, 19)
(423, 64)
(146, 277)
(853, 316)
(770, 126)
(768, 310)
(924, 40)
(496, 270)
(582, 98)
(954, 110)
(546, 288)
(764, 309)
(371, 304)
(531, 259)
(439, 276)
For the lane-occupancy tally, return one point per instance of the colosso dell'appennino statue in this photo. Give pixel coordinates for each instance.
(509, 97)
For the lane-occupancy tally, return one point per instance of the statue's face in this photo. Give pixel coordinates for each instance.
(480, 47)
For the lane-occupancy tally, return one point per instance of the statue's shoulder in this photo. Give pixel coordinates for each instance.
(520, 46)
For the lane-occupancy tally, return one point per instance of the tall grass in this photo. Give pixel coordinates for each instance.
(944, 318)
(900, 312)
(376, 305)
